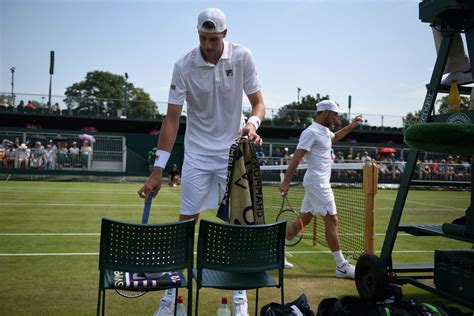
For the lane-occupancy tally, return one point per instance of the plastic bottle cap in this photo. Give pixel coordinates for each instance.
(180, 299)
(224, 300)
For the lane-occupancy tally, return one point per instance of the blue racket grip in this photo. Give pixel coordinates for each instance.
(146, 208)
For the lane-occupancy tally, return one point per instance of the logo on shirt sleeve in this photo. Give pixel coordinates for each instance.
(229, 72)
(173, 87)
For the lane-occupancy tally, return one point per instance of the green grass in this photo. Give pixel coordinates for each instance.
(46, 283)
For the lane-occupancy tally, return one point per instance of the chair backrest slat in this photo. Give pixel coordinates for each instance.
(146, 248)
(244, 248)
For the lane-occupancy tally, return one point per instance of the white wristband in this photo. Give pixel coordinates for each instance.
(161, 158)
(255, 121)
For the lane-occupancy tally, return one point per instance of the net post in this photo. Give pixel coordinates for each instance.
(370, 186)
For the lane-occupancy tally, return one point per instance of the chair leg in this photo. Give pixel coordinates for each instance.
(175, 301)
(103, 302)
(197, 302)
(256, 303)
(282, 295)
(99, 301)
(190, 300)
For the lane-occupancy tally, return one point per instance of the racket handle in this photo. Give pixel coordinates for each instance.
(146, 208)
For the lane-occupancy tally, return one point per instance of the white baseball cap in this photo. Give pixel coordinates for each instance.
(216, 17)
(329, 105)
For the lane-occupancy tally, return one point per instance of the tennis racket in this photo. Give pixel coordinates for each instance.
(294, 223)
(146, 214)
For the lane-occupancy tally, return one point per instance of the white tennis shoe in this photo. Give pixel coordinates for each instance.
(346, 271)
(239, 304)
(166, 307)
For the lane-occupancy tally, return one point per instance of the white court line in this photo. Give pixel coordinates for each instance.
(96, 253)
(84, 204)
(419, 209)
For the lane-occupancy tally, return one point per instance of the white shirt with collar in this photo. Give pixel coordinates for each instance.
(213, 94)
(317, 141)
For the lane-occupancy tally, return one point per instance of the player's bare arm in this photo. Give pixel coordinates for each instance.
(346, 130)
(295, 161)
(168, 132)
(258, 110)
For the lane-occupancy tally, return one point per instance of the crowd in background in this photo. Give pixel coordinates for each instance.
(391, 165)
(48, 155)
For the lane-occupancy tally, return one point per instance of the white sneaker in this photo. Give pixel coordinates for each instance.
(461, 77)
(288, 265)
(347, 271)
(166, 307)
(239, 304)
(240, 307)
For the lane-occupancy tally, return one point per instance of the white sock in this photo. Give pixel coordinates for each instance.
(339, 257)
(240, 293)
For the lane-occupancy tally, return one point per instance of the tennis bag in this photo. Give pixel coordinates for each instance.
(298, 307)
(352, 306)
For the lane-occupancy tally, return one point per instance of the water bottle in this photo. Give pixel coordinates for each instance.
(180, 307)
(223, 309)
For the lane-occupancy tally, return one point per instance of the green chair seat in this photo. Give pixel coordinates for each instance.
(237, 257)
(235, 280)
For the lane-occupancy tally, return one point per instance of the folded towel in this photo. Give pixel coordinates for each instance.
(242, 202)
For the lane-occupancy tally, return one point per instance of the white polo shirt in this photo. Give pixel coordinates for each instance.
(214, 97)
(317, 140)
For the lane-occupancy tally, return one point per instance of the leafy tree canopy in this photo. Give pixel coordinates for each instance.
(442, 104)
(106, 93)
(301, 114)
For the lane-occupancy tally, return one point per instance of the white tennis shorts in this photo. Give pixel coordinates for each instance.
(318, 200)
(200, 182)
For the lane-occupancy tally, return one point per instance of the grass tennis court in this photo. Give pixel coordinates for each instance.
(49, 243)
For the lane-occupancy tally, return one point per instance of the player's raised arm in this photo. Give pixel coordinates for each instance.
(168, 132)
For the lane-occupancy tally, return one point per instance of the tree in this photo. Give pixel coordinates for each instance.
(104, 93)
(301, 114)
(443, 104)
(411, 118)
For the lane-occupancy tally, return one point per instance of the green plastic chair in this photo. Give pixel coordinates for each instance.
(142, 248)
(237, 257)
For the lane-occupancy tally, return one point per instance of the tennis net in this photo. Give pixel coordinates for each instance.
(354, 186)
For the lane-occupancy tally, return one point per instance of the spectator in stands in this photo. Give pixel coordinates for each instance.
(74, 154)
(62, 155)
(366, 156)
(16, 143)
(286, 156)
(20, 106)
(29, 106)
(48, 157)
(23, 155)
(10, 156)
(86, 151)
(37, 156)
(357, 157)
(261, 156)
(174, 178)
(277, 153)
(55, 108)
(384, 170)
(442, 169)
(450, 168)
